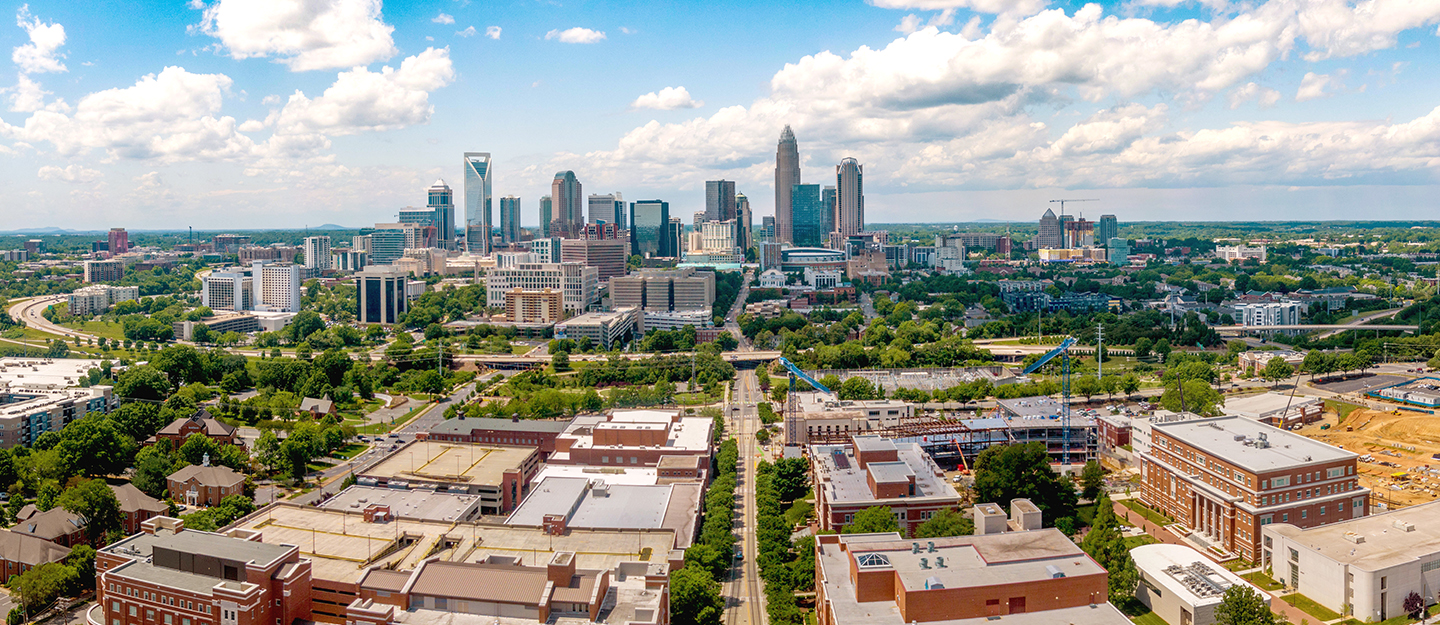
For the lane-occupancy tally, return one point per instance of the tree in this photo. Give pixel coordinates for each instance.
(1092, 480)
(1198, 397)
(945, 522)
(1086, 386)
(143, 382)
(726, 341)
(46, 498)
(1162, 349)
(560, 361)
(201, 334)
(40, 586)
(790, 478)
(1414, 604)
(1130, 383)
(307, 322)
(94, 501)
(1277, 369)
(695, 597)
(1243, 606)
(1105, 544)
(1023, 472)
(873, 520)
(152, 465)
(95, 446)
(1142, 347)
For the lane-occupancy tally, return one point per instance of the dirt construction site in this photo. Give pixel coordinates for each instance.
(1395, 450)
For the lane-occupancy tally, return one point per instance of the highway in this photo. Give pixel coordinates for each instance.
(743, 596)
(29, 311)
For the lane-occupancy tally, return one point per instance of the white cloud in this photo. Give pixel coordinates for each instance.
(628, 31)
(303, 34)
(71, 173)
(42, 53)
(911, 23)
(1251, 91)
(908, 24)
(1313, 86)
(26, 96)
(468, 32)
(576, 35)
(667, 99)
(151, 190)
(1017, 7)
(492, 32)
(362, 100)
(443, 19)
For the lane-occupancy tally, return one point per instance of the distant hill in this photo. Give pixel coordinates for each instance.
(333, 227)
(50, 230)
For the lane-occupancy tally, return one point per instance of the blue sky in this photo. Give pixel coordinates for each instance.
(233, 114)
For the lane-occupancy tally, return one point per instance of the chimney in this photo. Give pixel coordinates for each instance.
(561, 569)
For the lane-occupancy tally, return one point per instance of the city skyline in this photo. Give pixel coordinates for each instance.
(1289, 109)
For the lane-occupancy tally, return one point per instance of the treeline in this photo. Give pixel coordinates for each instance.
(785, 567)
(695, 588)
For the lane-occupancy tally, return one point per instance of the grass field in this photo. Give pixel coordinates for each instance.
(1149, 618)
(1341, 408)
(1265, 582)
(349, 451)
(1150, 515)
(1308, 606)
(107, 329)
(1138, 541)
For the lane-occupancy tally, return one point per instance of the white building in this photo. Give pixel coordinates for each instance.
(824, 278)
(578, 282)
(1180, 584)
(772, 279)
(604, 329)
(653, 320)
(1269, 314)
(100, 297)
(718, 235)
(317, 253)
(1363, 567)
(276, 286)
(227, 290)
(1240, 252)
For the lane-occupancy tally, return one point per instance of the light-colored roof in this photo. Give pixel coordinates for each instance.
(419, 504)
(1233, 439)
(51, 524)
(1266, 404)
(845, 482)
(1198, 582)
(446, 462)
(464, 426)
(621, 506)
(316, 405)
(1385, 544)
(609, 475)
(503, 583)
(208, 476)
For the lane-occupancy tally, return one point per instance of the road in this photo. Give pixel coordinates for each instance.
(731, 324)
(746, 602)
(28, 311)
(1363, 320)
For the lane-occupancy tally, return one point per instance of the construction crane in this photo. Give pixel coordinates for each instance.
(1063, 351)
(1064, 239)
(792, 402)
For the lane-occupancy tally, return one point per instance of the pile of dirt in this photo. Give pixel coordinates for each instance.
(1390, 443)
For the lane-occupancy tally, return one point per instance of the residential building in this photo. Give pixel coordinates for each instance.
(136, 507)
(118, 241)
(441, 201)
(871, 471)
(180, 430)
(808, 211)
(1228, 477)
(664, 290)
(383, 504)
(534, 306)
(274, 252)
(478, 175)
(604, 329)
(317, 252)
(380, 294)
(787, 176)
(172, 575)
(1117, 251)
(349, 260)
(1362, 568)
(1180, 585)
(566, 198)
(558, 504)
(850, 197)
(546, 250)
(767, 227)
(538, 433)
(547, 215)
(1277, 409)
(1025, 577)
(632, 438)
(229, 243)
(649, 220)
(1049, 235)
(1107, 229)
(204, 485)
(28, 409)
(99, 298)
(1240, 253)
(745, 225)
(104, 270)
(362, 243)
(1270, 314)
(607, 256)
(1079, 232)
(509, 219)
(276, 286)
(21, 552)
(578, 282)
(499, 474)
(56, 525)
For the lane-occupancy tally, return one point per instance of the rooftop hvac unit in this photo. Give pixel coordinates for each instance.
(1054, 571)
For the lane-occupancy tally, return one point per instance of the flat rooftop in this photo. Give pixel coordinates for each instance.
(845, 481)
(44, 372)
(467, 425)
(685, 434)
(174, 578)
(462, 463)
(1040, 406)
(1385, 544)
(620, 506)
(1198, 580)
(1232, 439)
(419, 504)
(142, 546)
(609, 475)
(342, 545)
(1266, 403)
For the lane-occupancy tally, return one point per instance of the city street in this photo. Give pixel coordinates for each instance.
(742, 594)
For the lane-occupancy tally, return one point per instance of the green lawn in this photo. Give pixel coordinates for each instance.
(107, 329)
(1085, 513)
(1265, 582)
(520, 350)
(1341, 408)
(1138, 541)
(1147, 513)
(1308, 606)
(1149, 618)
(349, 451)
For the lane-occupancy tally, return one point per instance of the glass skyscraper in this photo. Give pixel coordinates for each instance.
(808, 210)
(509, 219)
(546, 216)
(787, 175)
(477, 202)
(649, 220)
(850, 197)
(568, 203)
(442, 201)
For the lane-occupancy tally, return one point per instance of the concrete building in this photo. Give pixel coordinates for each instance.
(539, 306)
(1257, 359)
(607, 256)
(389, 503)
(1277, 409)
(608, 208)
(772, 279)
(229, 243)
(230, 290)
(349, 260)
(1270, 314)
(537, 433)
(560, 503)
(27, 411)
(389, 241)
(822, 419)
(1180, 585)
(1228, 477)
(1108, 228)
(478, 176)
(1363, 568)
(850, 197)
(546, 250)
(317, 253)
(872, 471)
(1049, 235)
(787, 175)
(204, 485)
(632, 438)
(380, 291)
(664, 290)
(509, 219)
(277, 286)
(104, 270)
(568, 201)
(441, 202)
(500, 475)
(168, 574)
(604, 329)
(652, 320)
(1035, 577)
(99, 298)
(745, 225)
(579, 283)
(1240, 253)
(118, 241)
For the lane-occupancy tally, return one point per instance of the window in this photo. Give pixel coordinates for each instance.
(1340, 507)
(169, 619)
(1285, 518)
(1266, 520)
(1383, 585)
(604, 459)
(1304, 514)
(1322, 510)
(1295, 557)
(1278, 482)
(132, 610)
(1334, 472)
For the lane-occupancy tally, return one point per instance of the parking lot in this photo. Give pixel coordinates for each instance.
(1362, 384)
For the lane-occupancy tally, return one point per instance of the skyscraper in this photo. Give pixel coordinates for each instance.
(808, 210)
(719, 200)
(1107, 229)
(477, 202)
(767, 228)
(119, 241)
(1064, 222)
(317, 253)
(787, 175)
(674, 238)
(827, 214)
(609, 208)
(649, 222)
(742, 221)
(620, 219)
(568, 203)
(1049, 235)
(442, 201)
(546, 216)
(849, 197)
(509, 219)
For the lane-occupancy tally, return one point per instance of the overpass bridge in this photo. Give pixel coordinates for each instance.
(1311, 327)
(514, 362)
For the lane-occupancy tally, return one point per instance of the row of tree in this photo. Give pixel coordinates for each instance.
(695, 588)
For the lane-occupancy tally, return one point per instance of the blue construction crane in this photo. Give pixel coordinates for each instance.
(792, 408)
(1063, 351)
(797, 372)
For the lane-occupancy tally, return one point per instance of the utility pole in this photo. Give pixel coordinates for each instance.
(1099, 351)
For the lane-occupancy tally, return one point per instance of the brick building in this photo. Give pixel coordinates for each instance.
(634, 438)
(20, 552)
(136, 507)
(57, 525)
(199, 423)
(523, 432)
(1225, 478)
(204, 485)
(872, 471)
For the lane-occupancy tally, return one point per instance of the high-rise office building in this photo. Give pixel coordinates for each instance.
(620, 218)
(1049, 235)
(1107, 229)
(719, 200)
(380, 294)
(477, 202)
(317, 253)
(808, 211)
(546, 216)
(787, 175)
(276, 286)
(1065, 221)
(849, 197)
(608, 208)
(742, 219)
(567, 202)
(827, 212)
(649, 222)
(442, 201)
(119, 241)
(509, 219)
(674, 238)
(767, 227)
